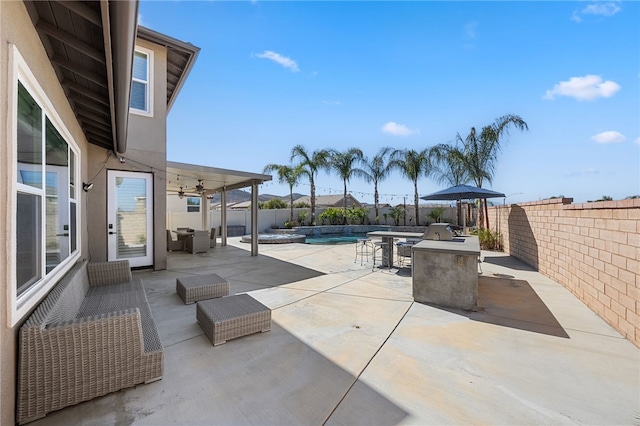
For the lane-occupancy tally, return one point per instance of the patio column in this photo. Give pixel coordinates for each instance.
(223, 217)
(204, 211)
(254, 218)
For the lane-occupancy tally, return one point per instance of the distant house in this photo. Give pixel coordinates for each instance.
(336, 200)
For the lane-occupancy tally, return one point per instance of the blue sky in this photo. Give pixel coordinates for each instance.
(271, 75)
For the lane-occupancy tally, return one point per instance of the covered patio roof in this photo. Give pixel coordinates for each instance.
(192, 179)
(213, 179)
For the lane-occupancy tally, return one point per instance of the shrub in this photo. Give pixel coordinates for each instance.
(302, 216)
(333, 215)
(396, 214)
(489, 240)
(301, 205)
(436, 214)
(274, 203)
(357, 215)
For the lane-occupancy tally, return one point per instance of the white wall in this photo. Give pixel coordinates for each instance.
(277, 217)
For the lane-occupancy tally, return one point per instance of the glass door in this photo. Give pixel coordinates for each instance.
(130, 217)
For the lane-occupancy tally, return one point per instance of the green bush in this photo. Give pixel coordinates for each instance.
(489, 240)
(301, 205)
(339, 216)
(357, 215)
(436, 214)
(302, 216)
(333, 215)
(274, 203)
(396, 214)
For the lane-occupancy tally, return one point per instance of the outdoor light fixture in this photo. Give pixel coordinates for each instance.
(181, 193)
(87, 186)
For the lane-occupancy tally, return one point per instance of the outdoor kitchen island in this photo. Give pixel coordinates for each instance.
(445, 272)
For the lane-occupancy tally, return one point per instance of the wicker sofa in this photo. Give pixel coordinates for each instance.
(93, 334)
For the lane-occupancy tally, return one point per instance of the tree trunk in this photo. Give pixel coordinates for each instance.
(415, 200)
(376, 202)
(313, 203)
(291, 203)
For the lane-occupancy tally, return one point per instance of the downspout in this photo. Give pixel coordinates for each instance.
(119, 27)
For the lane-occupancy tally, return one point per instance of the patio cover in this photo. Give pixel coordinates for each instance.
(186, 176)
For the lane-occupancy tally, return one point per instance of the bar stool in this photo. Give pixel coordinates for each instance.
(403, 251)
(363, 250)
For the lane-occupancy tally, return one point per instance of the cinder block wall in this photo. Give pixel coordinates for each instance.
(592, 249)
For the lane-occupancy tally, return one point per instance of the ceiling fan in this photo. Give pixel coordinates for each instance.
(199, 187)
(183, 192)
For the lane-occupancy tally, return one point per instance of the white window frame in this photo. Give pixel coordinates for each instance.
(194, 205)
(19, 306)
(149, 111)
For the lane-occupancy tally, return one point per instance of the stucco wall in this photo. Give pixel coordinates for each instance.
(16, 29)
(146, 152)
(592, 249)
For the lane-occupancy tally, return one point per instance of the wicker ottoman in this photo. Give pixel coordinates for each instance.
(201, 287)
(233, 316)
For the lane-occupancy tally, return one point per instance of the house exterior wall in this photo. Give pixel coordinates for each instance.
(16, 29)
(592, 249)
(146, 152)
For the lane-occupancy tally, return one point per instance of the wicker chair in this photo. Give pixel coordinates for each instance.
(92, 334)
(174, 245)
(198, 242)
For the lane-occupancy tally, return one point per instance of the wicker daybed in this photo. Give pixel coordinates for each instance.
(93, 334)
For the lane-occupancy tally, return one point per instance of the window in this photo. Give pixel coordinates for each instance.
(193, 204)
(141, 97)
(46, 195)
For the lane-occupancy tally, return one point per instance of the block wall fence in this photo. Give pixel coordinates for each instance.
(592, 249)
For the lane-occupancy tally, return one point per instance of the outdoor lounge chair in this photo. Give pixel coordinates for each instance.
(174, 245)
(198, 242)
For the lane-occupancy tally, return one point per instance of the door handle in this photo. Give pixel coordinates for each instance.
(66, 234)
(111, 233)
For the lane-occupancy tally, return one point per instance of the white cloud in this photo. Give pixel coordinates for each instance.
(588, 87)
(610, 136)
(637, 141)
(141, 21)
(606, 8)
(336, 102)
(278, 58)
(396, 129)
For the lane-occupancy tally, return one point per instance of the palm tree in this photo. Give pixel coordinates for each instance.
(449, 168)
(286, 174)
(481, 151)
(413, 164)
(310, 164)
(376, 170)
(342, 162)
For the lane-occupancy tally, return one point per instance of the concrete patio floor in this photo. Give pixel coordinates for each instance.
(349, 346)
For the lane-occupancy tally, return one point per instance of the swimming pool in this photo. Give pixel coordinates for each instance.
(333, 239)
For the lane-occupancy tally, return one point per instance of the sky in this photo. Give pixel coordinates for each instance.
(409, 75)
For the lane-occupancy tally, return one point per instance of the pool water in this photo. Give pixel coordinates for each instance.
(333, 239)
